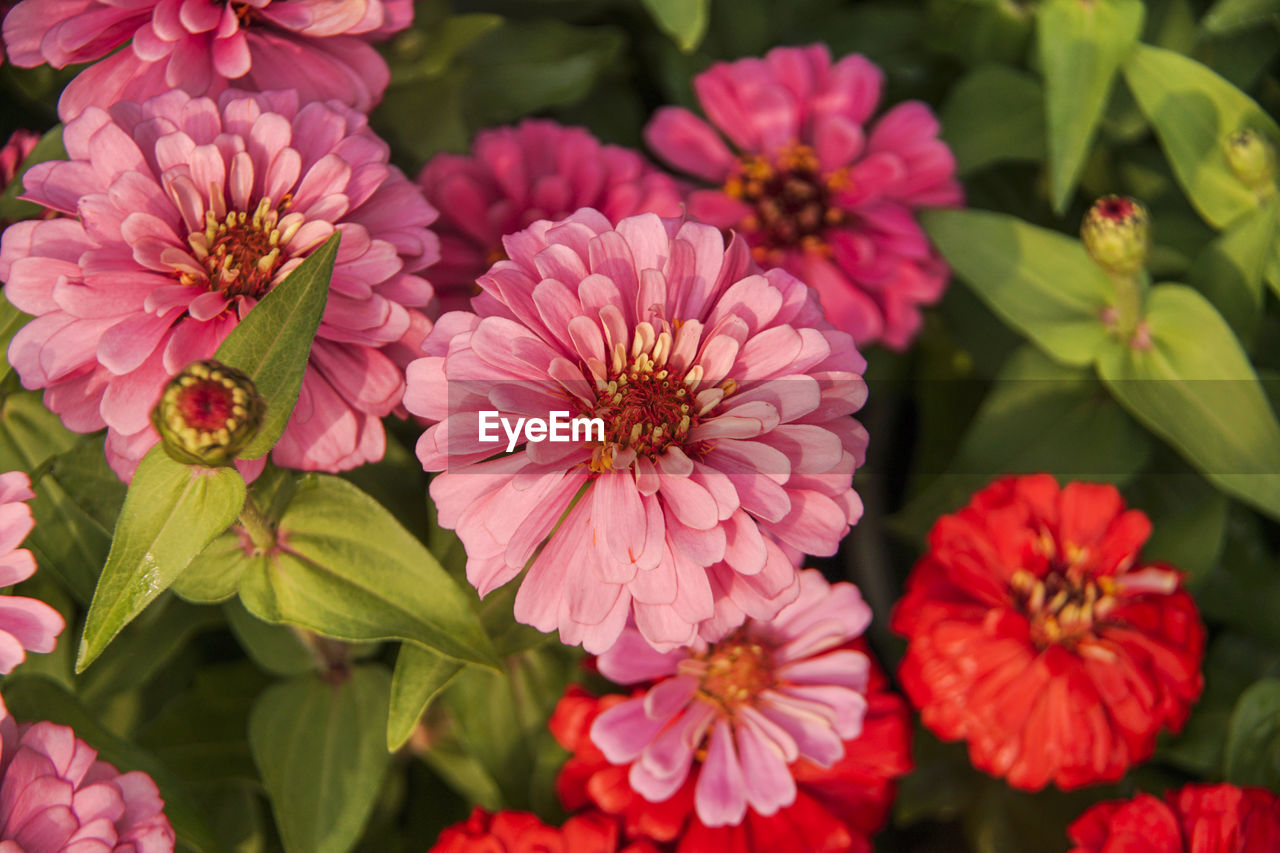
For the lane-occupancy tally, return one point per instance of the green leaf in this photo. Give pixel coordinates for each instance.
(1081, 48)
(11, 320)
(172, 511)
(275, 648)
(684, 20)
(1194, 111)
(202, 732)
(273, 342)
(49, 147)
(522, 68)
(993, 115)
(345, 568)
(29, 433)
(1253, 737)
(1038, 281)
(36, 698)
(214, 575)
(319, 748)
(1229, 16)
(77, 500)
(419, 677)
(1039, 416)
(1194, 387)
(1230, 270)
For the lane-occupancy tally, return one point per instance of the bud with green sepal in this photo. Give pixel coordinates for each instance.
(1117, 234)
(208, 413)
(1253, 159)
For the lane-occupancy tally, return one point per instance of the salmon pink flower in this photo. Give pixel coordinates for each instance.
(317, 47)
(515, 176)
(26, 624)
(814, 189)
(837, 809)
(744, 707)
(722, 448)
(1037, 634)
(56, 797)
(1194, 819)
(188, 211)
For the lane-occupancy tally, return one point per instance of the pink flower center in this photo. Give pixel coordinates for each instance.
(1063, 606)
(732, 672)
(1115, 209)
(793, 201)
(242, 252)
(646, 406)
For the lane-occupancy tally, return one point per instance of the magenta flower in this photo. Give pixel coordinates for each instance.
(811, 189)
(26, 624)
(745, 706)
(189, 211)
(318, 47)
(518, 175)
(55, 797)
(723, 449)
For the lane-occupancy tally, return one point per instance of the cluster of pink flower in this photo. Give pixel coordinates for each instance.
(710, 331)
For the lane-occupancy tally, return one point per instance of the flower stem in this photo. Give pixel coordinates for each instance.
(257, 525)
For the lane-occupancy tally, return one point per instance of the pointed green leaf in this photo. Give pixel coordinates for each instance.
(319, 747)
(1229, 16)
(994, 114)
(1194, 111)
(273, 342)
(1038, 281)
(684, 20)
(49, 147)
(172, 511)
(36, 698)
(1195, 388)
(419, 677)
(274, 648)
(1081, 48)
(345, 568)
(1229, 271)
(1253, 737)
(214, 575)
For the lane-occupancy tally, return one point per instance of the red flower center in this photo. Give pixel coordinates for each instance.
(1062, 607)
(242, 252)
(647, 406)
(733, 672)
(793, 202)
(1115, 209)
(205, 405)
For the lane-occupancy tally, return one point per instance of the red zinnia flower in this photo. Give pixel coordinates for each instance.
(1195, 819)
(837, 808)
(521, 832)
(1038, 636)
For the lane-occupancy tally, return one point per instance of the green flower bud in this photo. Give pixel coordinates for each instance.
(207, 414)
(1117, 234)
(1253, 159)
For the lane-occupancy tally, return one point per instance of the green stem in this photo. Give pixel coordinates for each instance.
(257, 525)
(1128, 302)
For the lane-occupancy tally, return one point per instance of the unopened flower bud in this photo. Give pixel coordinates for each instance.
(1117, 234)
(1253, 159)
(208, 413)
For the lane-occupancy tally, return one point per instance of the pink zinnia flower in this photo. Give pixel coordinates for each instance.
(14, 152)
(815, 192)
(746, 706)
(189, 211)
(727, 449)
(26, 624)
(55, 796)
(318, 47)
(515, 176)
